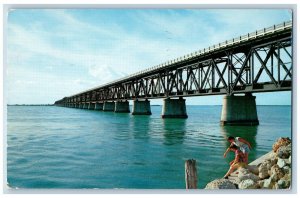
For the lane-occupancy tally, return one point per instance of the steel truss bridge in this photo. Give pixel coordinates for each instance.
(260, 61)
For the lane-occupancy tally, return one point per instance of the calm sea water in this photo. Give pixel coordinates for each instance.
(57, 147)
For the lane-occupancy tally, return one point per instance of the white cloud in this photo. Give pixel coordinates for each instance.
(105, 73)
(88, 55)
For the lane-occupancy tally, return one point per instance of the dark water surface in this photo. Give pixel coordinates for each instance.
(57, 147)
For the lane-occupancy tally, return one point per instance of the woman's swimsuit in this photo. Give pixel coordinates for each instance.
(242, 146)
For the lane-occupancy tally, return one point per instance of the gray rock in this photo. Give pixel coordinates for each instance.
(253, 169)
(281, 142)
(260, 183)
(248, 176)
(280, 184)
(287, 177)
(284, 152)
(276, 186)
(243, 171)
(283, 183)
(286, 169)
(220, 184)
(276, 173)
(281, 163)
(274, 178)
(290, 160)
(272, 161)
(269, 163)
(247, 184)
(273, 155)
(268, 183)
(263, 170)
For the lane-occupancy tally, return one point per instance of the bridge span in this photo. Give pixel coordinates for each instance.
(260, 61)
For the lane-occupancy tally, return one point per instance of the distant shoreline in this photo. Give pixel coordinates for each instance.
(131, 105)
(30, 104)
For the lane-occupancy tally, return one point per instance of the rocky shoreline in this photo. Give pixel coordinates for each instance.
(271, 171)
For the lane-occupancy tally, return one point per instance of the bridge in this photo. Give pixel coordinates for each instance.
(260, 61)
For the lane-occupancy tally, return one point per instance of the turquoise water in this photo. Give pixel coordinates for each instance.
(57, 147)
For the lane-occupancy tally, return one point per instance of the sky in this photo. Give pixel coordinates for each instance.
(53, 53)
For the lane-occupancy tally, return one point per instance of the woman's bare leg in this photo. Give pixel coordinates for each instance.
(231, 169)
(246, 158)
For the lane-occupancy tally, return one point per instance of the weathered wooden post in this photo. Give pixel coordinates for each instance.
(191, 178)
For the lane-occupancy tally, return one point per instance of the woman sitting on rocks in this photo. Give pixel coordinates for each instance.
(242, 144)
(239, 160)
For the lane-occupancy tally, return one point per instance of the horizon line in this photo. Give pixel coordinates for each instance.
(154, 105)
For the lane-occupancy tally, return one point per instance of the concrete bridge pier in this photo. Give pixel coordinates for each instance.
(122, 107)
(108, 106)
(239, 110)
(98, 106)
(91, 106)
(141, 107)
(174, 108)
(85, 105)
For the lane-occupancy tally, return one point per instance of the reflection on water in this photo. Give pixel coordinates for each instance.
(140, 126)
(246, 132)
(54, 147)
(174, 131)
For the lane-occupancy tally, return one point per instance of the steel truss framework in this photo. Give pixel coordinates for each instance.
(262, 67)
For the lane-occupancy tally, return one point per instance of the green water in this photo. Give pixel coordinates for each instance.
(57, 147)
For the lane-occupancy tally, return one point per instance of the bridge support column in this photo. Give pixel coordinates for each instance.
(174, 108)
(122, 107)
(85, 105)
(141, 107)
(108, 106)
(98, 106)
(239, 110)
(91, 106)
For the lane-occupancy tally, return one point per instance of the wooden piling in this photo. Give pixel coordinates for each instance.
(191, 178)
